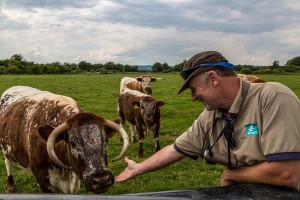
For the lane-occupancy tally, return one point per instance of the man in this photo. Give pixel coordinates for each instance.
(251, 129)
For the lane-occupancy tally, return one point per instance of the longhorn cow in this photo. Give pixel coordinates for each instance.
(143, 114)
(60, 144)
(141, 83)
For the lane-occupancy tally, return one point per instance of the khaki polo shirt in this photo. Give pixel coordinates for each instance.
(267, 127)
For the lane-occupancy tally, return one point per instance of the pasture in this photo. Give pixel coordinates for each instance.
(99, 94)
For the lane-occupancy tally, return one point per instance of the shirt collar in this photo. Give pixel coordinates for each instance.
(236, 103)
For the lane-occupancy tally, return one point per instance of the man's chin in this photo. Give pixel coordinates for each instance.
(208, 107)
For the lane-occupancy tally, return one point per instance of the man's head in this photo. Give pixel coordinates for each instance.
(203, 62)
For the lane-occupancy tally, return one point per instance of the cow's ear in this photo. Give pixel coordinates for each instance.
(118, 120)
(109, 131)
(44, 131)
(139, 79)
(160, 103)
(153, 79)
(136, 104)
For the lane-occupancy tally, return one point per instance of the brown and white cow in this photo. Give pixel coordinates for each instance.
(143, 113)
(251, 78)
(61, 145)
(141, 83)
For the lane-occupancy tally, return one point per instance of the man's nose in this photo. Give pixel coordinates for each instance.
(194, 97)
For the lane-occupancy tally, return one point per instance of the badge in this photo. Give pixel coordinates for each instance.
(251, 129)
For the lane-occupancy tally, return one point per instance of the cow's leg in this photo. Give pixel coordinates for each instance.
(132, 131)
(156, 143)
(141, 150)
(155, 137)
(122, 117)
(141, 141)
(42, 177)
(10, 184)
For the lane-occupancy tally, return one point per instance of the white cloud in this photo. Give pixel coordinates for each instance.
(144, 32)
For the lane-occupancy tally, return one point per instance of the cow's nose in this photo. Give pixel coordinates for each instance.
(148, 118)
(100, 183)
(148, 90)
(98, 179)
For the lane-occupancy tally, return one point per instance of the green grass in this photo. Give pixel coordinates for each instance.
(99, 94)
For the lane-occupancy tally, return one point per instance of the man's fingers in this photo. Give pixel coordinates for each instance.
(126, 159)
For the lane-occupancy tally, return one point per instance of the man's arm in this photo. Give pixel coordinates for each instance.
(280, 173)
(163, 158)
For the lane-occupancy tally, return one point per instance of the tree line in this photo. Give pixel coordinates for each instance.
(16, 64)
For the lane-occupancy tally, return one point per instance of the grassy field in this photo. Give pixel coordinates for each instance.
(99, 94)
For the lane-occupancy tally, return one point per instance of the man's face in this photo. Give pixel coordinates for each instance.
(202, 90)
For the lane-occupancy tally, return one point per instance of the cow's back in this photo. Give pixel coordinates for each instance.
(125, 103)
(250, 78)
(130, 83)
(22, 111)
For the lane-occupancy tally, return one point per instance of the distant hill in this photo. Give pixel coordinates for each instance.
(144, 67)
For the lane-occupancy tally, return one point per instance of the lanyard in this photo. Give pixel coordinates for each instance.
(226, 131)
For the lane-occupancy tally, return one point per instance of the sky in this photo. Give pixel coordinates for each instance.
(140, 32)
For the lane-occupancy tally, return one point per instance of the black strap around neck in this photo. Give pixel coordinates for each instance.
(229, 128)
(231, 144)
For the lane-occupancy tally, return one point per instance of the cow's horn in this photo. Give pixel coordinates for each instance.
(124, 136)
(51, 143)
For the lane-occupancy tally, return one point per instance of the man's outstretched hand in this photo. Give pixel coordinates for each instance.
(130, 172)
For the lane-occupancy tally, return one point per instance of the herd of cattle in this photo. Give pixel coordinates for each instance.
(64, 146)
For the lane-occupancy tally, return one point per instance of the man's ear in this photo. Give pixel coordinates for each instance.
(213, 78)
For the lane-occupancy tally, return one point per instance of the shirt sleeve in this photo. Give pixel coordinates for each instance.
(190, 142)
(281, 131)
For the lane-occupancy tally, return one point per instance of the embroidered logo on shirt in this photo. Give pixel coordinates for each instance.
(251, 129)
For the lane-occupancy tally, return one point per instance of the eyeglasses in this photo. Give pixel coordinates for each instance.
(187, 72)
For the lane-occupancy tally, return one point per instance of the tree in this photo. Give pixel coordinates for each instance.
(128, 68)
(166, 67)
(295, 61)
(110, 66)
(83, 65)
(3, 70)
(14, 70)
(275, 64)
(246, 71)
(36, 69)
(157, 67)
(18, 57)
(179, 67)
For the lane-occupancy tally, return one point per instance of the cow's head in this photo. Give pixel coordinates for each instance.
(147, 106)
(145, 81)
(86, 136)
